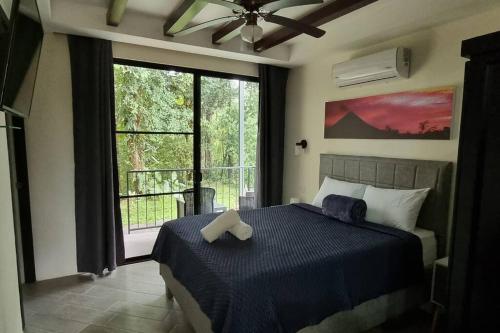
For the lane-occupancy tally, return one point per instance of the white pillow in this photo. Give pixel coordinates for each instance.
(394, 208)
(333, 186)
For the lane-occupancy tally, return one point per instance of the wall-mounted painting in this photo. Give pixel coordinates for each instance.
(423, 114)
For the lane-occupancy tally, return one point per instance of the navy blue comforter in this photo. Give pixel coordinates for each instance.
(298, 268)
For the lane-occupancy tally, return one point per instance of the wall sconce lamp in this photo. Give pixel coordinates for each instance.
(300, 146)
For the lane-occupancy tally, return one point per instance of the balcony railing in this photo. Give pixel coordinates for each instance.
(152, 196)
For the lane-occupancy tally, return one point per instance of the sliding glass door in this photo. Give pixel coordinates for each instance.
(186, 145)
(229, 111)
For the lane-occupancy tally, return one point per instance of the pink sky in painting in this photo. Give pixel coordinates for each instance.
(401, 111)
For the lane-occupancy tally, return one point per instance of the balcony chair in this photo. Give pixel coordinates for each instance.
(247, 201)
(207, 196)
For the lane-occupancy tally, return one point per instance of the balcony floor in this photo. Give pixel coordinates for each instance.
(140, 242)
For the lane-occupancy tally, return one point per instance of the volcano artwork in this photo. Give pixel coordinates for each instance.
(424, 114)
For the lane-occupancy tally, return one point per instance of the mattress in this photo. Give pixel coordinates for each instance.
(429, 245)
(363, 317)
(299, 267)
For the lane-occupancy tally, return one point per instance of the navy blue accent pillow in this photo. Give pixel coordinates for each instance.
(345, 209)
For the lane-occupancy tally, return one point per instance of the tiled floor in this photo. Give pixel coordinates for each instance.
(131, 299)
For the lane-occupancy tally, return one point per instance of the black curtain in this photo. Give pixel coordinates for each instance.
(271, 135)
(99, 237)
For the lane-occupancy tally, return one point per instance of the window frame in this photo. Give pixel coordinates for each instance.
(196, 133)
(194, 71)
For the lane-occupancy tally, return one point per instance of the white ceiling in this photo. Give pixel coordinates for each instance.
(143, 21)
(163, 8)
(211, 11)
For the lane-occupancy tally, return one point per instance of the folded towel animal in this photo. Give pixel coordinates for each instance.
(220, 225)
(242, 231)
(345, 209)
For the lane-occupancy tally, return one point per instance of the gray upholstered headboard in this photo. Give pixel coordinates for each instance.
(400, 174)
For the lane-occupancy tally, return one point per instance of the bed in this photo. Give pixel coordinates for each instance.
(301, 271)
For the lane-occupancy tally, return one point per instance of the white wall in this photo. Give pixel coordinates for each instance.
(436, 62)
(10, 311)
(49, 141)
(50, 146)
(50, 135)
(189, 60)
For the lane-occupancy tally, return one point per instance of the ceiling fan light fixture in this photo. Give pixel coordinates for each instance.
(251, 33)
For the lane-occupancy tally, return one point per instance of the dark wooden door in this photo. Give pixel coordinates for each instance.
(475, 259)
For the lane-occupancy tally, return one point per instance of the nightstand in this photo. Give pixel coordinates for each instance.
(439, 291)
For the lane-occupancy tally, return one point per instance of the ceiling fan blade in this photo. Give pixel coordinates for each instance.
(280, 4)
(228, 4)
(228, 31)
(204, 25)
(295, 25)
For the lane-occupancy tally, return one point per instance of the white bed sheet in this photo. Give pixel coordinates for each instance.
(429, 245)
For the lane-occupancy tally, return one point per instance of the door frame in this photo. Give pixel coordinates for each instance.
(197, 75)
(16, 138)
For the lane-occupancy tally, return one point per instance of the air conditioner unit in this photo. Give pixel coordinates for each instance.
(385, 65)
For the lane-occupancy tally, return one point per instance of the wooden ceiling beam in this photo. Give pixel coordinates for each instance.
(115, 13)
(228, 32)
(319, 17)
(181, 17)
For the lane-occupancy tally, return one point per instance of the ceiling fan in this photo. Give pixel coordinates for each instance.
(249, 12)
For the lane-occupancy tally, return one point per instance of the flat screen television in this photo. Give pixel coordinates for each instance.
(21, 36)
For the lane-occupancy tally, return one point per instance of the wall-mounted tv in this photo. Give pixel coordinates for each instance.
(21, 36)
